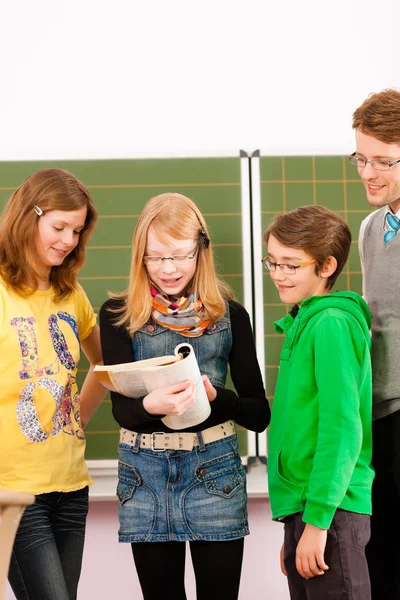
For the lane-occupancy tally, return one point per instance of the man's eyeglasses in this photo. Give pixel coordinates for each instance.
(378, 165)
(151, 261)
(287, 269)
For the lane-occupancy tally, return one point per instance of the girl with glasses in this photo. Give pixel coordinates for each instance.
(169, 496)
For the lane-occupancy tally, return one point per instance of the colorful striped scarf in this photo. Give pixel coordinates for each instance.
(184, 315)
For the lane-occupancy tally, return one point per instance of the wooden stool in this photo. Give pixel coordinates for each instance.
(12, 506)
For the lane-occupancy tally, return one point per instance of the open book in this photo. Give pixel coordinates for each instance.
(139, 378)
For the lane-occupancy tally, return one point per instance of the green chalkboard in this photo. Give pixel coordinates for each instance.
(120, 189)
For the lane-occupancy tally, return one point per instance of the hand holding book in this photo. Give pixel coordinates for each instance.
(172, 399)
(158, 376)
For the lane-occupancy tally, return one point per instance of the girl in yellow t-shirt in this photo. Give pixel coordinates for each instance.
(45, 318)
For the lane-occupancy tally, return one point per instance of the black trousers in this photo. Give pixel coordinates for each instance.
(347, 577)
(217, 568)
(383, 550)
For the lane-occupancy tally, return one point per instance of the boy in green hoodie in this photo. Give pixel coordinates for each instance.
(319, 458)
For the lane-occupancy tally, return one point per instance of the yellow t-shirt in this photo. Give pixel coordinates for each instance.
(41, 439)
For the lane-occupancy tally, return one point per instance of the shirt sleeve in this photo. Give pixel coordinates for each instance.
(2, 305)
(361, 235)
(340, 429)
(116, 345)
(249, 406)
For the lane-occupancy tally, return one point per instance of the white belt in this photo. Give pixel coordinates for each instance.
(160, 441)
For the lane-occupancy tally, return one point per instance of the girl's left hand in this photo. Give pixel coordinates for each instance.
(210, 389)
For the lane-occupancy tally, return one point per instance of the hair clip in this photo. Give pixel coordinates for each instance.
(38, 210)
(204, 238)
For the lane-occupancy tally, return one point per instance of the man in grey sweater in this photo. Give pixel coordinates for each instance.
(377, 158)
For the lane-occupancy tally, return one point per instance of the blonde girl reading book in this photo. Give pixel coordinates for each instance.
(190, 485)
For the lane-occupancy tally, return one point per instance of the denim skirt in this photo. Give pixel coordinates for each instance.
(179, 495)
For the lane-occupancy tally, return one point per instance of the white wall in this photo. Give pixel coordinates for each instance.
(93, 78)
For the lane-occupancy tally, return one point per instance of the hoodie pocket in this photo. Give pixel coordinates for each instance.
(291, 485)
(286, 496)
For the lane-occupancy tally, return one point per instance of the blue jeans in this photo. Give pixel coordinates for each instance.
(47, 554)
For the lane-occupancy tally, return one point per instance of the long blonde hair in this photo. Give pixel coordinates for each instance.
(47, 189)
(176, 216)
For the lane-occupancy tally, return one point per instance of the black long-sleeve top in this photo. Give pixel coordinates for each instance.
(248, 408)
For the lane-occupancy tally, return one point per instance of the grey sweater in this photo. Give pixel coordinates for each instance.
(380, 264)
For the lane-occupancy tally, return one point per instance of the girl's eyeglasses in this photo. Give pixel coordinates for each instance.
(178, 259)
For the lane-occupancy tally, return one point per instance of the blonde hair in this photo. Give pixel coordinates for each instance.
(48, 189)
(170, 215)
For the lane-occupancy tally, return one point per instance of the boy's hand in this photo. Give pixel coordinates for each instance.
(310, 552)
(282, 555)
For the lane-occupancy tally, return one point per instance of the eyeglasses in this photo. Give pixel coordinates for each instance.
(378, 165)
(287, 269)
(152, 261)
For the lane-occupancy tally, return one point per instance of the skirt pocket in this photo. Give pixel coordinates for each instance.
(128, 480)
(216, 505)
(221, 476)
(137, 505)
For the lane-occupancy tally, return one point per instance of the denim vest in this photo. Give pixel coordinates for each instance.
(212, 348)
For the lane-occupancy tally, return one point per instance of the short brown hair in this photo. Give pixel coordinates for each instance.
(47, 189)
(318, 231)
(379, 116)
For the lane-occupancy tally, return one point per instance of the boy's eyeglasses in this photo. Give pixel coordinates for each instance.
(378, 165)
(178, 258)
(287, 269)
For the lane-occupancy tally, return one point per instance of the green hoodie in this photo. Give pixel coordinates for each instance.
(320, 440)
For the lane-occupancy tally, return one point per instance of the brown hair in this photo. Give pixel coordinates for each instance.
(379, 116)
(177, 216)
(318, 231)
(48, 189)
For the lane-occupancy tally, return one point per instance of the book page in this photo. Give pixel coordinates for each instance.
(127, 378)
(182, 370)
(138, 365)
(137, 379)
(128, 383)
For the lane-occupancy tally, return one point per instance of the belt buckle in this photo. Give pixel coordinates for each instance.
(153, 441)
